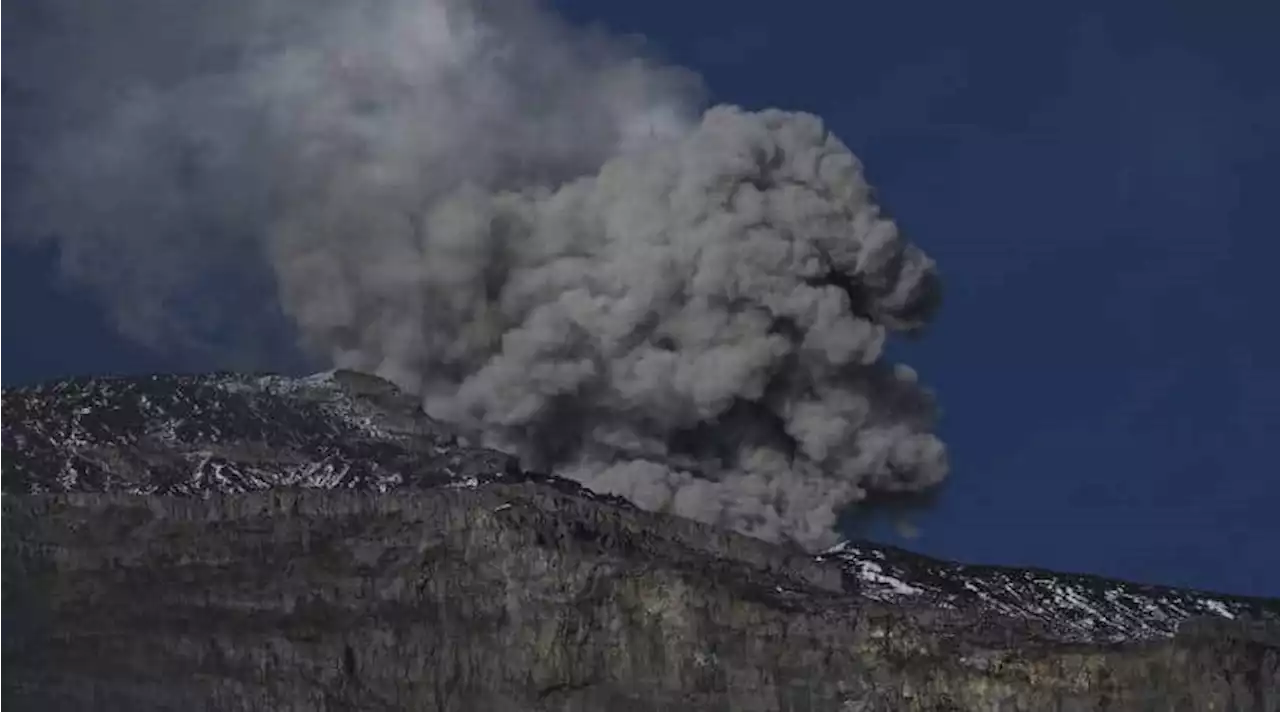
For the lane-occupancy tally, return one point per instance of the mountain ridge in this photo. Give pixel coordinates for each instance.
(235, 456)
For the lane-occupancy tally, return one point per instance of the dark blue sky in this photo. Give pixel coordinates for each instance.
(1094, 184)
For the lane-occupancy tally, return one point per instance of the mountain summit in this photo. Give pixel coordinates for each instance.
(230, 541)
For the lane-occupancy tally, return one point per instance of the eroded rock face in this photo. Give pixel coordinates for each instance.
(349, 553)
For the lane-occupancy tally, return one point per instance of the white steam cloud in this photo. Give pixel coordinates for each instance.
(532, 225)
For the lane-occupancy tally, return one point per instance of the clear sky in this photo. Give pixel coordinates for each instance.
(1094, 183)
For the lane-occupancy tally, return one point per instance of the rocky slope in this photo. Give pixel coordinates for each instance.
(319, 543)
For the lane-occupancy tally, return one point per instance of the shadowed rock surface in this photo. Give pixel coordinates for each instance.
(241, 542)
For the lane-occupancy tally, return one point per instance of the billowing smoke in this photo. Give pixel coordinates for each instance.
(532, 225)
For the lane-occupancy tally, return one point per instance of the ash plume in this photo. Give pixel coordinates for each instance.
(537, 227)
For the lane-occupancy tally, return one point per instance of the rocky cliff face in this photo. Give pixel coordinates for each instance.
(235, 542)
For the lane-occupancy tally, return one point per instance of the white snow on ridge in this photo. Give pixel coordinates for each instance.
(76, 423)
(1071, 607)
(871, 574)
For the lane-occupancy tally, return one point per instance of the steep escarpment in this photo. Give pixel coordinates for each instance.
(439, 576)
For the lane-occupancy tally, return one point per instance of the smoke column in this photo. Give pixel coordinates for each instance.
(536, 227)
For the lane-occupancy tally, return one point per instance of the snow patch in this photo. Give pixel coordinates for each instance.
(871, 572)
(1071, 607)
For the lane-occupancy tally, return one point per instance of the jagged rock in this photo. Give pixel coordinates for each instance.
(236, 542)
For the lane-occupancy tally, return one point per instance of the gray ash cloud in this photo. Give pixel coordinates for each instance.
(536, 227)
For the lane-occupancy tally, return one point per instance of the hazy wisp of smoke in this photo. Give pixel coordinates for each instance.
(532, 225)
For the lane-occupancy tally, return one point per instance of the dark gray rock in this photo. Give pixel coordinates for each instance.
(235, 542)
